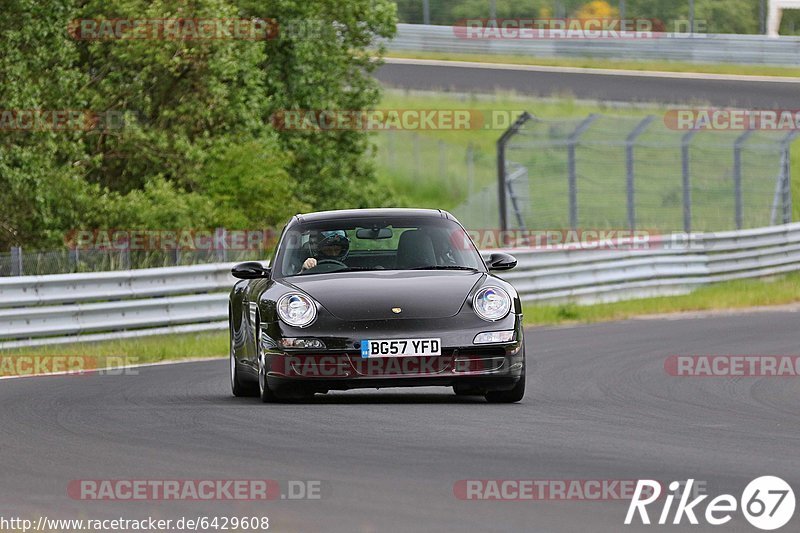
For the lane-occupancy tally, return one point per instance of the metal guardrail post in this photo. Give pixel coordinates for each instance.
(501, 166)
(737, 176)
(687, 190)
(572, 177)
(629, 143)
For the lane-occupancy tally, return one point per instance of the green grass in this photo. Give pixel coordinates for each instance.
(138, 350)
(588, 62)
(729, 295)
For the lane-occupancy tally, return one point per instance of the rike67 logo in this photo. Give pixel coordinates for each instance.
(767, 503)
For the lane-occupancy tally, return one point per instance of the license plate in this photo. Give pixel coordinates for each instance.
(401, 347)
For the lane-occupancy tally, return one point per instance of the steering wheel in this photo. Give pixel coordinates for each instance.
(330, 262)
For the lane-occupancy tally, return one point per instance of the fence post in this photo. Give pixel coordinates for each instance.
(787, 176)
(501, 166)
(220, 236)
(73, 259)
(687, 191)
(572, 177)
(629, 165)
(16, 261)
(470, 167)
(416, 156)
(390, 148)
(737, 176)
(442, 159)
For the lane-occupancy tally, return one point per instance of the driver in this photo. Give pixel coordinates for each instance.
(327, 245)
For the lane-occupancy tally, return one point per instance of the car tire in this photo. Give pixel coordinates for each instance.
(240, 388)
(266, 394)
(508, 396)
(512, 395)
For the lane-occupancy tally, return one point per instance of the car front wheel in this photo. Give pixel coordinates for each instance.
(513, 395)
(508, 396)
(266, 394)
(240, 388)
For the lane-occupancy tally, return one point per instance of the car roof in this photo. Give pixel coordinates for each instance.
(366, 213)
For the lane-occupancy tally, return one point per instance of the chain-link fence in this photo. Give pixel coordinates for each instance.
(19, 262)
(631, 172)
(446, 175)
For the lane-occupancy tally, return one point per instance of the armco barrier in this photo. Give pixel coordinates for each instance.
(700, 48)
(55, 309)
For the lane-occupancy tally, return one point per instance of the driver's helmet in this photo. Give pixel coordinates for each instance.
(330, 245)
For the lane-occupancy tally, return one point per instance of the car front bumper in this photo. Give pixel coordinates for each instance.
(483, 366)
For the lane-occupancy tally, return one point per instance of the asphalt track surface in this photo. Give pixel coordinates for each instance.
(599, 406)
(756, 93)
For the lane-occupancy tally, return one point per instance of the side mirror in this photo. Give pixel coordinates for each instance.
(501, 261)
(250, 270)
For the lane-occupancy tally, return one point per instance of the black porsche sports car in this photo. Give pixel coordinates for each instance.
(374, 298)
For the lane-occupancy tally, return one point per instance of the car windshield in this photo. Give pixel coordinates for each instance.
(392, 243)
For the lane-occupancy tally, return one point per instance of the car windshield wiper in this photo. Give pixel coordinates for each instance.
(445, 267)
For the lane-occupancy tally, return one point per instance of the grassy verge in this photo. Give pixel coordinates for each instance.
(730, 295)
(139, 350)
(588, 62)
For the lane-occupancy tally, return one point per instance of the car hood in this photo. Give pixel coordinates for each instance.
(372, 295)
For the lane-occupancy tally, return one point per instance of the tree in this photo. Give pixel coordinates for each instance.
(197, 147)
(321, 62)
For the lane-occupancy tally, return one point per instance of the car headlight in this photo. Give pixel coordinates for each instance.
(297, 309)
(491, 303)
